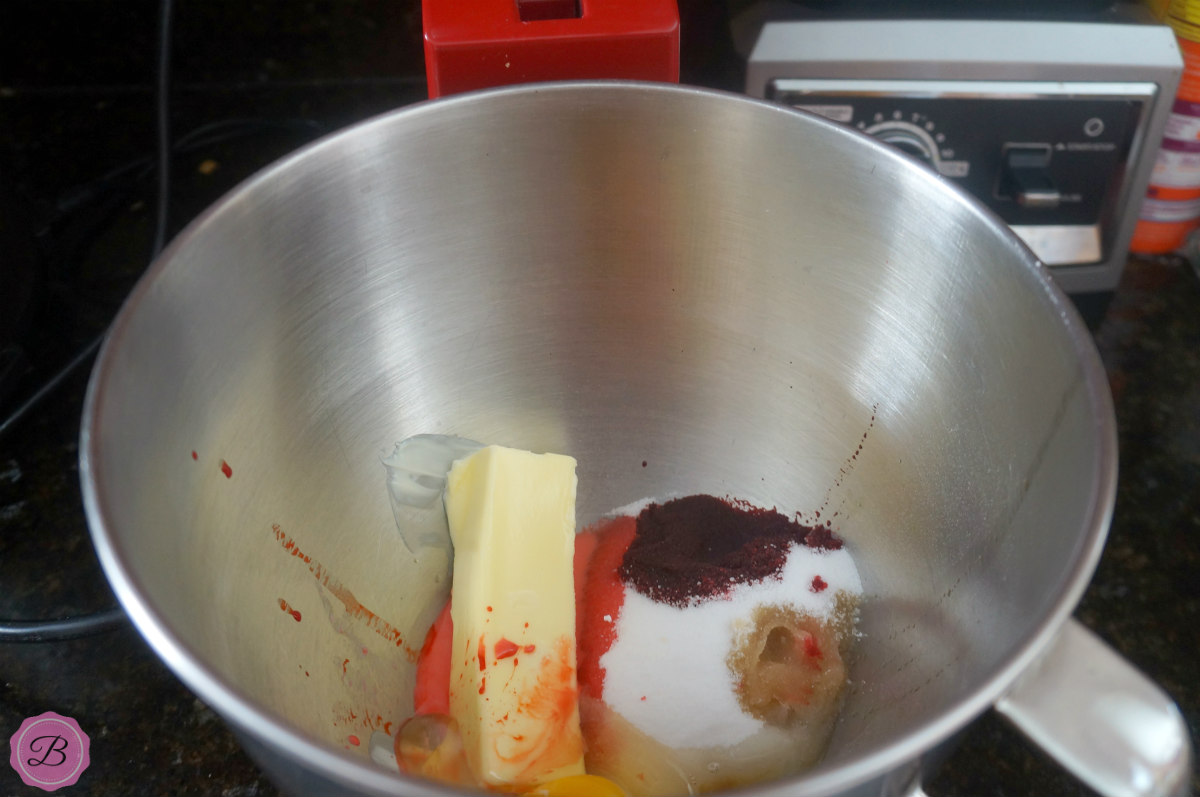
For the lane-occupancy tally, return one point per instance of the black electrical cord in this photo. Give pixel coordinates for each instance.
(63, 629)
(81, 213)
(115, 182)
(108, 190)
(79, 360)
(207, 135)
(166, 11)
(107, 619)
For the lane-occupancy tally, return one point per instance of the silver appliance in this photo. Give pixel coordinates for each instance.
(1054, 125)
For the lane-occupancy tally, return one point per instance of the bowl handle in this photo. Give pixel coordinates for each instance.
(1101, 718)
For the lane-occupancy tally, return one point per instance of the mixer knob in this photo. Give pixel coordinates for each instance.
(908, 143)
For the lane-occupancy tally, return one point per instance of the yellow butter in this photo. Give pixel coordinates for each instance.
(513, 689)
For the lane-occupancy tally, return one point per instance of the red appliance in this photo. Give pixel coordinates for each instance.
(485, 43)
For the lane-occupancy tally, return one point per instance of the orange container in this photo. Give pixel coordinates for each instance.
(1189, 82)
(1152, 237)
(1171, 209)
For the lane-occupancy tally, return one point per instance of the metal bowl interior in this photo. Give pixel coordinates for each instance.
(686, 291)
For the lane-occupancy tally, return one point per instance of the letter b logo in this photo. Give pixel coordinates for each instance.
(49, 751)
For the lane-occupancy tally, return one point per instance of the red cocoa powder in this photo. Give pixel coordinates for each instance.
(692, 549)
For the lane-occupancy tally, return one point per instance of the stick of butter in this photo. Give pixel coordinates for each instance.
(513, 691)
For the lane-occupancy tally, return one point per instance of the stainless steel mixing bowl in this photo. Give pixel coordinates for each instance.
(688, 292)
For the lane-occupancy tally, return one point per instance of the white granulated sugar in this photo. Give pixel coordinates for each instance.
(666, 671)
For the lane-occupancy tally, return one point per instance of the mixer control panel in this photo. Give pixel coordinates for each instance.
(1049, 159)
(1052, 123)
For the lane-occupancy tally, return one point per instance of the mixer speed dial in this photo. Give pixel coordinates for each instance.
(917, 136)
(908, 139)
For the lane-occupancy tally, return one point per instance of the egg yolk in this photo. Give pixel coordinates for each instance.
(578, 786)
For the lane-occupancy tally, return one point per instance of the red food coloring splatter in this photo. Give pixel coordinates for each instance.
(353, 608)
(643, 463)
(819, 584)
(195, 455)
(432, 692)
(643, 698)
(489, 608)
(811, 648)
(482, 685)
(287, 608)
(481, 654)
(228, 471)
(529, 648)
(506, 648)
(353, 740)
(599, 552)
(344, 663)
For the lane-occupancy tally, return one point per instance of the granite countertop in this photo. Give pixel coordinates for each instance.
(287, 77)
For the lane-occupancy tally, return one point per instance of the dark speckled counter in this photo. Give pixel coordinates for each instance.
(1145, 597)
(65, 122)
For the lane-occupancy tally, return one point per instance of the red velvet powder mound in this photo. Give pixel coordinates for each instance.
(692, 549)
